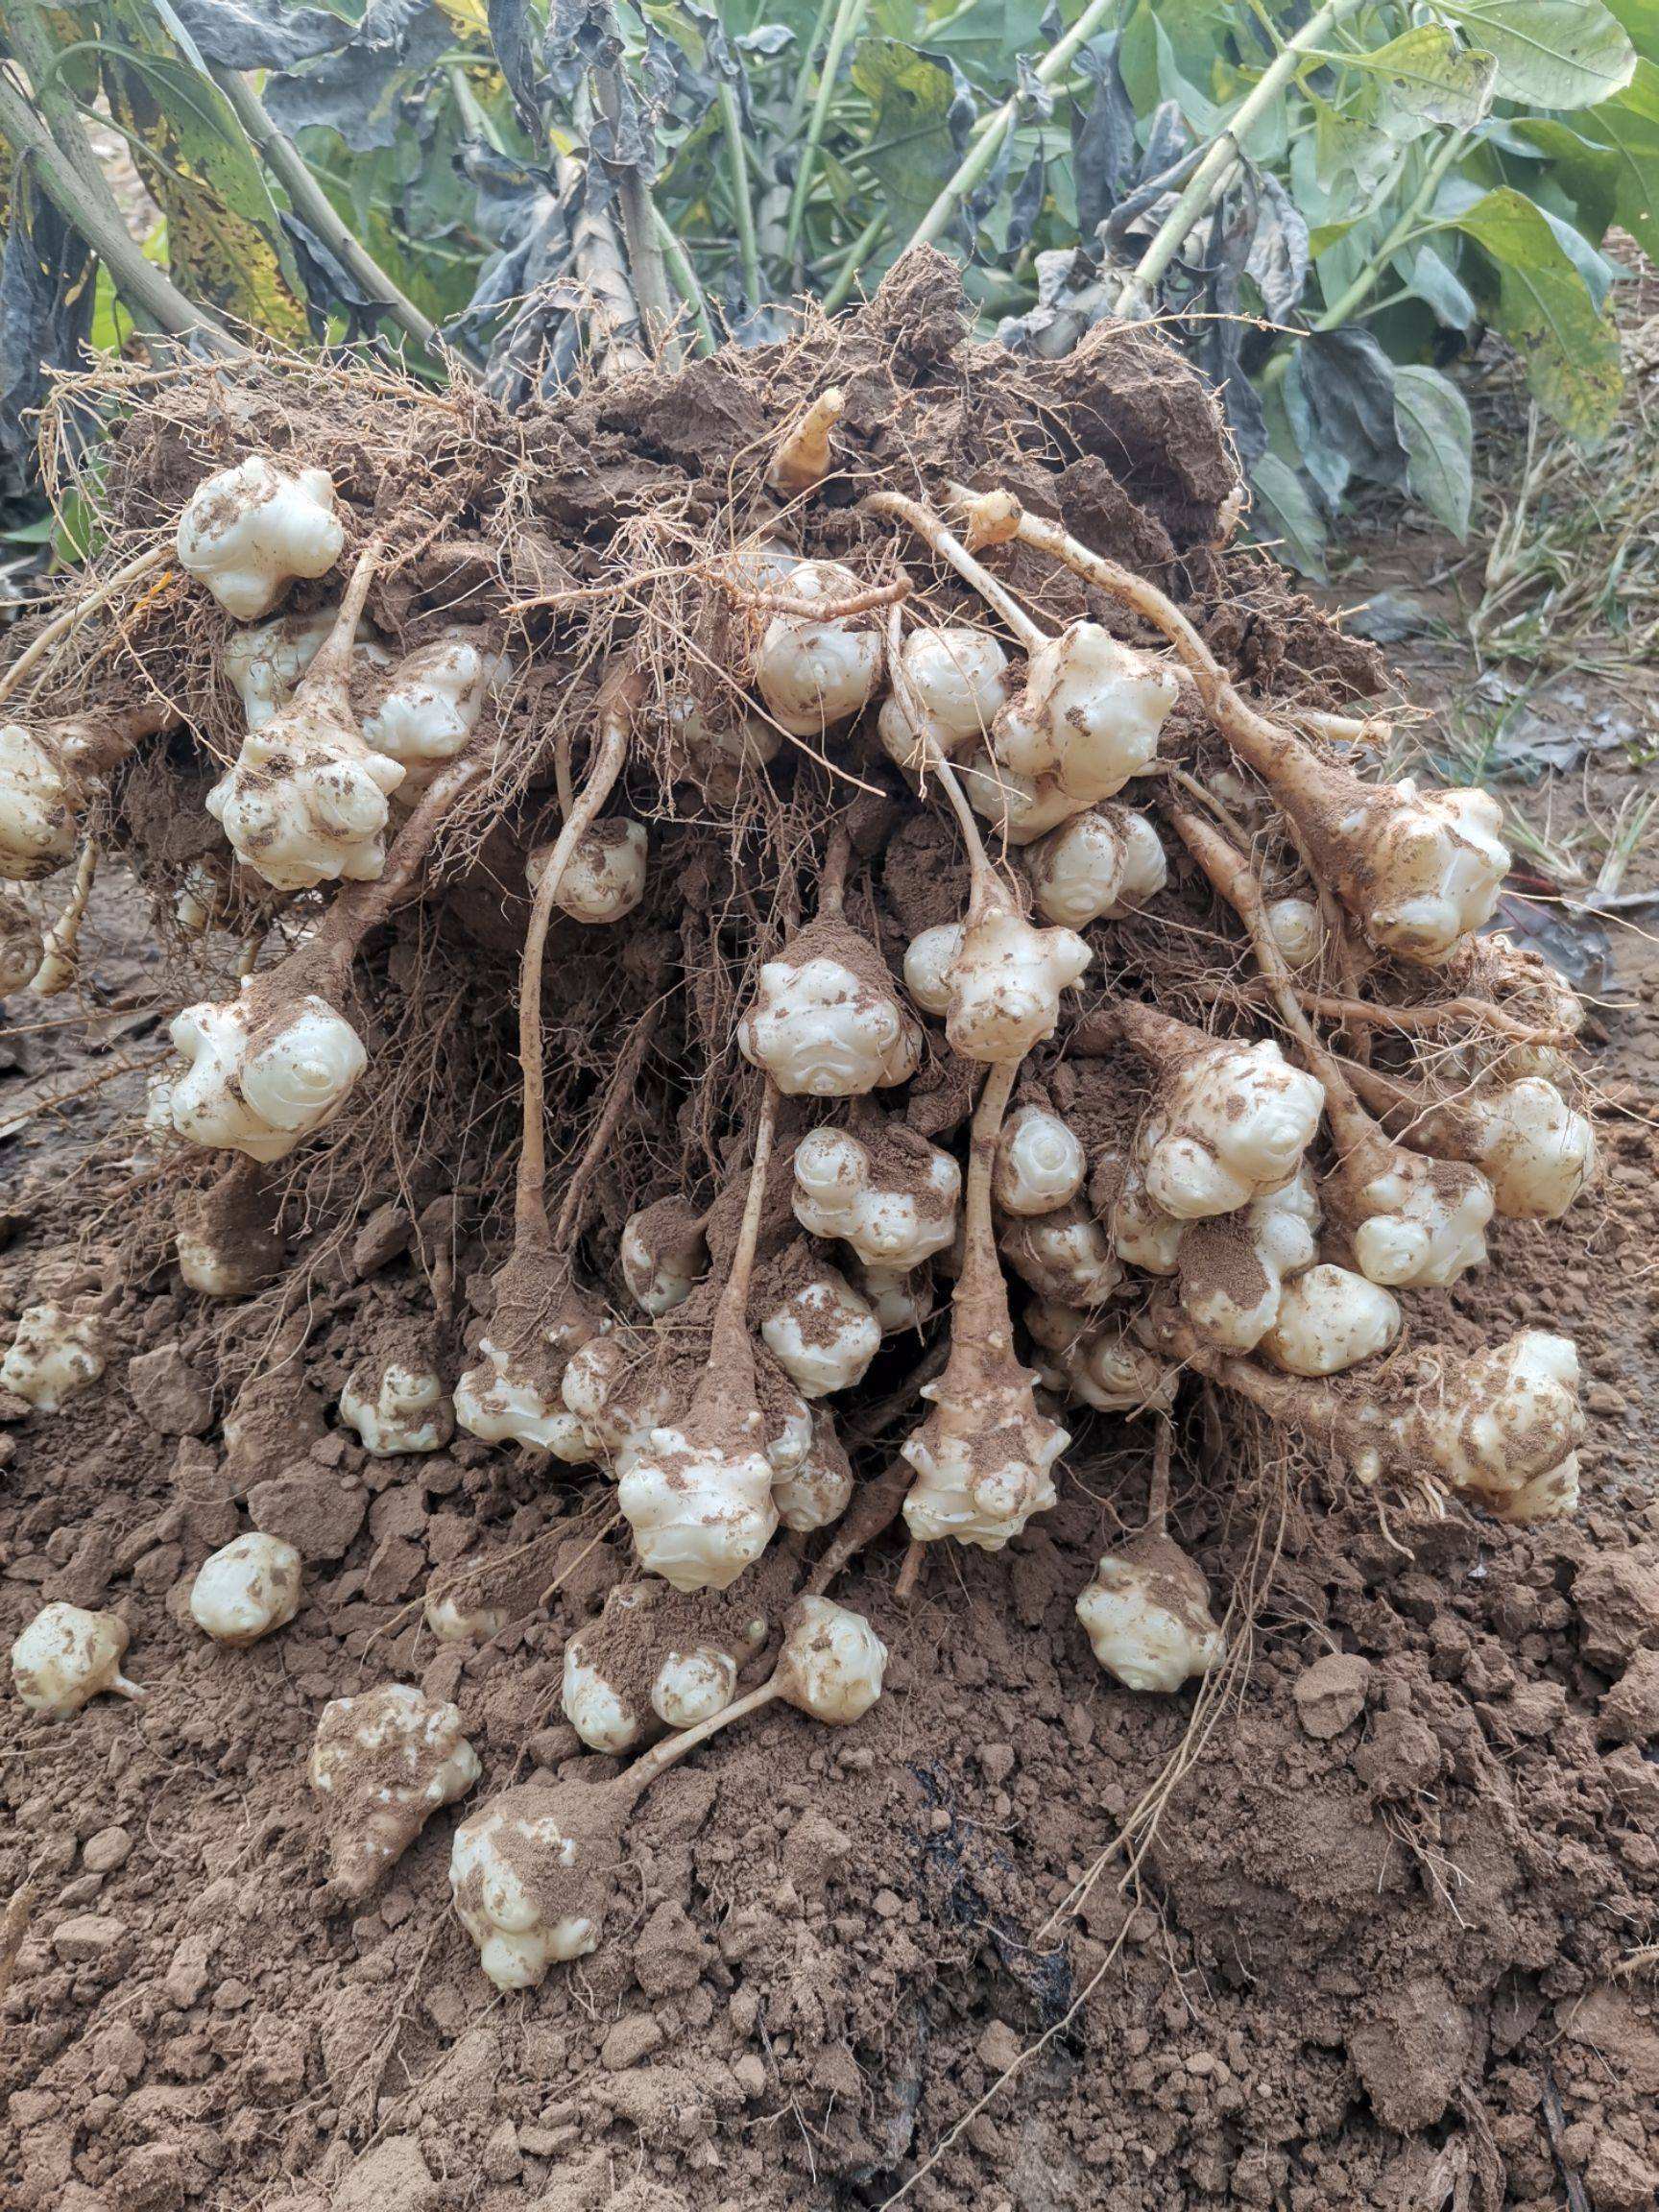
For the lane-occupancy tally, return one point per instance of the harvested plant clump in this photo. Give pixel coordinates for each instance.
(868, 943)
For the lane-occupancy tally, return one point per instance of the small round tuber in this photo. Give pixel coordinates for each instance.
(245, 1589)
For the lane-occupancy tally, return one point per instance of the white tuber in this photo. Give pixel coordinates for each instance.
(245, 1589)
(1297, 928)
(41, 804)
(1142, 1233)
(1415, 1223)
(1147, 1615)
(814, 1491)
(68, 1655)
(1331, 1319)
(1063, 1254)
(694, 1686)
(1097, 867)
(700, 1511)
(605, 876)
(530, 1883)
(1096, 1362)
(429, 703)
(826, 1022)
(894, 1204)
(664, 1255)
(899, 1297)
(1228, 1121)
(813, 673)
(257, 1082)
(397, 1403)
(503, 1400)
(593, 1706)
(1534, 1150)
(956, 677)
(1040, 1163)
(453, 1620)
(265, 665)
(1233, 1268)
(55, 1353)
(1421, 869)
(1089, 715)
(832, 1662)
(21, 945)
(247, 531)
(928, 961)
(384, 1763)
(1005, 984)
(822, 1335)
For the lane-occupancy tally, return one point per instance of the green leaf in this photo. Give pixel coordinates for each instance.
(1543, 306)
(909, 152)
(1286, 516)
(1627, 127)
(1426, 76)
(1433, 418)
(1550, 53)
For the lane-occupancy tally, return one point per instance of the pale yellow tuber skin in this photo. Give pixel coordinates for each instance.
(1228, 1122)
(822, 1028)
(1097, 867)
(247, 1589)
(606, 876)
(383, 1762)
(397, 1404)
(1040, 1163)
(257, 1082)
(247, 531)
(55, 1353)
(1298, 930)
(1147, 1615)
(813, 674)
(815, 1490)
(1006, 982)
(68, 1655)
(1535, 1151)
(840, 1192)
(1234, 1269)
(805, 453)
(1330, 1319)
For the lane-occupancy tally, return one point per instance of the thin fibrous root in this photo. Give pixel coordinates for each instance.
(769, 602)
(61, 625)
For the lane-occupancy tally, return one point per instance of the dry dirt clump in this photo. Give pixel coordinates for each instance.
(596, 1175)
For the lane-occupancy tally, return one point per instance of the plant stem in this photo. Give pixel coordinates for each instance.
(743, 207)
(857, 254)
(996, 125)
(797, 113)
(1206, 182)
(151, 291)
(639, 223)
(314, 207)
(849, 17)
(684, 278)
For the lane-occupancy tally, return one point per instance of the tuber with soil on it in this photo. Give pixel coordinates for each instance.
(852, 874)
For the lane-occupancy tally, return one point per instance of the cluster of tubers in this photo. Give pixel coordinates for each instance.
(1235, 1172)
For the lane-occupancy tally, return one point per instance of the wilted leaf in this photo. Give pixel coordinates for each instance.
(1550, 53)
(1569, 346)
(911, 151)
(1426, 76)
(355, 90)
(1433, 418)
(1103, 147)
(1279, 252)
(261, 33)
(1339, 395)
(1284, 514)
(46, 298)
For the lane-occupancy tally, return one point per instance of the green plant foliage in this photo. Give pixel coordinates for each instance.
(1408, 178)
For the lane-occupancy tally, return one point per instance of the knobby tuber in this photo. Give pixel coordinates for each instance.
(68, 1655)
(789, 895)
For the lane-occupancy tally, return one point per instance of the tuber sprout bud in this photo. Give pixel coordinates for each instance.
(1231, 1122)
(604, 877)
(805, 453)
(1065, 1255)
(821, 1333)
(305, 802)
(1297, 928)
(1331, 1319)
(68, 1655)
(1421, 869)
(397, 1404)
(1005, 985)
(1536, 1153)
(1040, 1163)
(256, 1084)
(531, 1874)
(816, 1490)
(1234, 1267)
(55, 1353)
(1089, 715)
(701, 1508)
(453, 1620)
(384, 1763)
(429, 703)
(694, 1686)
(893, 1203)
(812, 674)
(955, 678)
(1416, 1223)
(1502, 1426)
(1147, 1615)
(831, 1662)
(664, 1255)
(1099, 1363)
(245, 1589)
(927, 965)
(600, 1715)
(247, 531)
(826, 1022)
